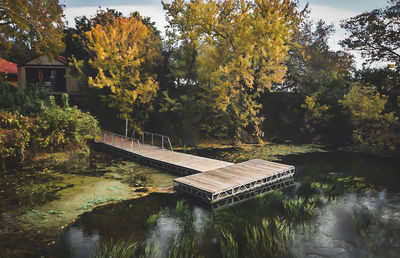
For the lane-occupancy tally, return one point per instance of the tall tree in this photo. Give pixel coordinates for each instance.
(124, 50)
(36, 25)
(376, 33)
(228, 52)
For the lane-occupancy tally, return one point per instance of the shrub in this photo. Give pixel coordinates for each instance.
(15, 135)
(60, 127)
(26, 101)
(374, 128)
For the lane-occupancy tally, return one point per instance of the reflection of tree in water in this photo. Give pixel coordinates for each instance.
(228, 233)
(272, 224)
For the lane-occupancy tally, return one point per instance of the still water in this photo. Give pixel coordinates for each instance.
(340, 205)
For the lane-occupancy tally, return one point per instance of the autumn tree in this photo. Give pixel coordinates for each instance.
(227, 53)
(34, 26)
(124, 50)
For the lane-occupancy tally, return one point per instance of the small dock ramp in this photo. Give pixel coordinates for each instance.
(213, 181)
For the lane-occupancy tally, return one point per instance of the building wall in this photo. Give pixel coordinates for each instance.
(72, 85)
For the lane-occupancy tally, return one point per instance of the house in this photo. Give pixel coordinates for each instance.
(53, 73)
(9, 71)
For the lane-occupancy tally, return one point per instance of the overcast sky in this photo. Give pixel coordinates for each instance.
(331, 11)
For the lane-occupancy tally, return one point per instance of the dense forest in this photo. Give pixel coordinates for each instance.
(249, 71)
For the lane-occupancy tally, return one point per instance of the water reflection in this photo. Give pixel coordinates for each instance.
(332, 210)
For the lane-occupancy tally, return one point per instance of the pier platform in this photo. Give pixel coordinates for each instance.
(213, 181)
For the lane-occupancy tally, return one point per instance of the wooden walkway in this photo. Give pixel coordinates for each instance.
(209, 179)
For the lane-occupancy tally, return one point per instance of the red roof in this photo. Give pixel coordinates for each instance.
(8, 67)
(62, 59)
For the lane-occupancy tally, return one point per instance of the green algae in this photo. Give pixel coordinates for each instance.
(39, 199)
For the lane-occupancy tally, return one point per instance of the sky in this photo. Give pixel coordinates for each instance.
(331, 11)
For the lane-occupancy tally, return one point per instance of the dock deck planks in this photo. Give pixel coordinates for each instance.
(209, 179)
(233, 179)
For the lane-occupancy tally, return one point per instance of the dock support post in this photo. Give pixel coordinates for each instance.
(162, 142)
(104, 137)
(112, 137)
(152, 139)
(122, 142)
(132, 146)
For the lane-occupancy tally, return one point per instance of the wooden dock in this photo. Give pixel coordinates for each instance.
(208, 179)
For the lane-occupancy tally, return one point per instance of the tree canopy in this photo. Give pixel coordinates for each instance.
(35, 25)
(376, 34)
(230, 51)
(124, 49)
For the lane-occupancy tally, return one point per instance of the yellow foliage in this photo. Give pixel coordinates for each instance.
(375, 129)
(239, 49)
(123, 47)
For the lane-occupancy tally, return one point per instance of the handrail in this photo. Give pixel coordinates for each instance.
(163, 137)
(122, 137)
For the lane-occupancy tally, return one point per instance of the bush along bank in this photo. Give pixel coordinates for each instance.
(54, 128)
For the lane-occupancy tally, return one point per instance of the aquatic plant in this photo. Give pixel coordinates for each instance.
(268, 239)
(184, 247)
(116, 248)
(228, 244)
(152, 219)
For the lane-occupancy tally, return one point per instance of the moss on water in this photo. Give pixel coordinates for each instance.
(38, 200)
(244, 152)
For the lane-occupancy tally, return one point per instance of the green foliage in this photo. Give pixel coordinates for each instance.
(64, 127)
(375, 33)
(228, 245)
(116, 248)
(97, 200)
(15, 135)
(375, 129)
(269, 238)
(315, 114)
(26, 101)
(30, 26)
(183, 114)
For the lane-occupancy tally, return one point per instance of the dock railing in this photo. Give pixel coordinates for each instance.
(154, 139)
(120, 141)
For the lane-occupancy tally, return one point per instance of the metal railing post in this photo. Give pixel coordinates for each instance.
(132, 146)
(112, 137)
(122, 142)
(104, 137)
(143, 138)
(162, 142)
(152, 137)
(170, 145)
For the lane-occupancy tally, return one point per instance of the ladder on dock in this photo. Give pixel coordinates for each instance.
(208, 179)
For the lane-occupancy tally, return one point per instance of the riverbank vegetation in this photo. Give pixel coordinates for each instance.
(48, 129)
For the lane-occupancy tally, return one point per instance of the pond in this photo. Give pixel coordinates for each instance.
(340, 205)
